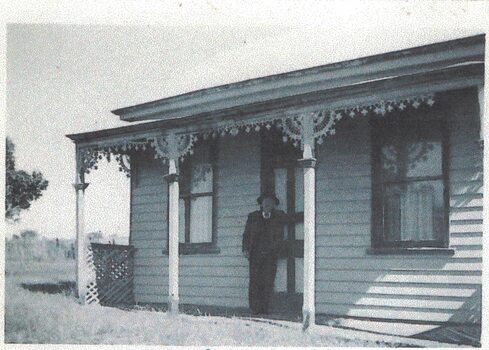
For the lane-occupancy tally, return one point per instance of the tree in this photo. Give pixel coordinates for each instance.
(29, 235)
(96, 237)
(21, 188)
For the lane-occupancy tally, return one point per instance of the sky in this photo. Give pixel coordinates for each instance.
(66, 72)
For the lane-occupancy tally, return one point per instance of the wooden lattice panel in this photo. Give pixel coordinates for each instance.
(92, 292)
(114, 273)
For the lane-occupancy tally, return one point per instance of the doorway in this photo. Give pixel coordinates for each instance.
(281, 173)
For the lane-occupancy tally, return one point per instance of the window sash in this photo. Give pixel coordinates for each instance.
(379, 139)
(187, 196)
(402, 165)
(187, 199)
(206, 171)
(405, 211)
(201, 224)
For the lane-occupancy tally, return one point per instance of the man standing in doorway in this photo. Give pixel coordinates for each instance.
(263, 233)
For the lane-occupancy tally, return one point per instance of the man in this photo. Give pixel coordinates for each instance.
(263, 232)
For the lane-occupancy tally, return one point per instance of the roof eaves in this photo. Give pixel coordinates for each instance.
(146, 110)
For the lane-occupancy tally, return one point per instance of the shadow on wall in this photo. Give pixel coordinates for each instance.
(423, 288)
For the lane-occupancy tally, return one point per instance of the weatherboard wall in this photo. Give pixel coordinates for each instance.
(206, 279)
(422, 287)
(349, 280)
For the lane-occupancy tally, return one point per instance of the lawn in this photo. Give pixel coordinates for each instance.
(40, 271)
(35, 317)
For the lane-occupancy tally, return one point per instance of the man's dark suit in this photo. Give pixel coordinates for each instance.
(260, 242)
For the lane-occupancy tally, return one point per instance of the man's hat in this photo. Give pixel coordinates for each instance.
(268, 194)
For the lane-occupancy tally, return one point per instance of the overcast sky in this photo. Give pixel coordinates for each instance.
(65, 78)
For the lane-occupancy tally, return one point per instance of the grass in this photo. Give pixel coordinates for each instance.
(57, 319)
(40, 271)
(34, 317)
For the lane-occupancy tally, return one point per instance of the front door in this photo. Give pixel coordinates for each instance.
(281, 173)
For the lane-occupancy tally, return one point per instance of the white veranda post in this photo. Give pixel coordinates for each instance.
(172, 179)
(81, 265)
(308, 162)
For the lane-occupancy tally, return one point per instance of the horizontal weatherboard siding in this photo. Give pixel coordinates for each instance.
(349, 280)
(215, 279)
(423, 287)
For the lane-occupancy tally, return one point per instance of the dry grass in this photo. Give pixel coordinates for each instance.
(58, 319)
(40, 271)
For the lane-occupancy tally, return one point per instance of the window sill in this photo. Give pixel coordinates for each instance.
(410, 251)
(195, 249)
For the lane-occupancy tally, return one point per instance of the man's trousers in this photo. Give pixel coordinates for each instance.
(263, 268)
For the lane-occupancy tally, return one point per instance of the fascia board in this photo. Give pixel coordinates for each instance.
(456, 77)
(412, 61)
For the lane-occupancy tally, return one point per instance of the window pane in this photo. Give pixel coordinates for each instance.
(392, 212)
(414, 211)
(391, 164)
(201, 220)
(424, 159)
(299, 190)
(414, 159)
(280, 284)
(201, 178)
(201, 170)
(299, 275)
(299, 231)
(281, 187)
(181, 220)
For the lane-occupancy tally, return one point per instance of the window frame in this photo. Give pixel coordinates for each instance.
(188, 248)
(378, 127)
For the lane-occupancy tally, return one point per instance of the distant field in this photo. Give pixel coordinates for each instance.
(40, 271)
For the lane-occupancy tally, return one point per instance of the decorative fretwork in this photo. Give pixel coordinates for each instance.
(233, 128)
(324, 121)
(89, 156)
(113, 266)
(314, 126)
(173, 146)
(294, 128)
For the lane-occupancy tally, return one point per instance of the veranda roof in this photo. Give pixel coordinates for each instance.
(411, 72)
(295, 50)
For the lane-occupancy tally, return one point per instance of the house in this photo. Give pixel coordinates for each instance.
(377, 160)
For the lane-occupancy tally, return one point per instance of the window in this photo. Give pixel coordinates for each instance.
(197, 201)
(410, 198)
